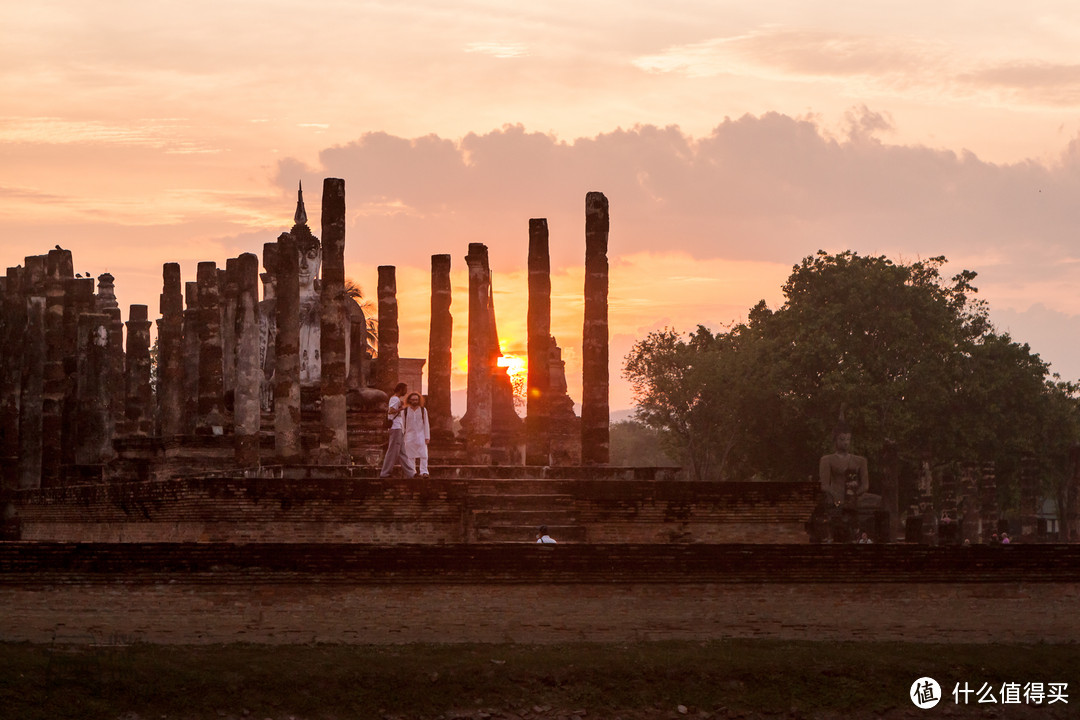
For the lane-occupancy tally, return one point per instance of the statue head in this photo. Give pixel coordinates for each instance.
(309, 253)
(842, 436)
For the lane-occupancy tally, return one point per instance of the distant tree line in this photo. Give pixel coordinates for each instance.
(911, 357)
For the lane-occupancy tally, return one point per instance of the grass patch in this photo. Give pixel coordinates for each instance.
(426, 681)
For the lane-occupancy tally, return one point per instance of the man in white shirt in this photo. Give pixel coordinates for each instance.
(395, 450)
(543, 538)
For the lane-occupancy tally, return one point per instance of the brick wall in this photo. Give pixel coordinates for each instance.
(525, 593)
(325, 506)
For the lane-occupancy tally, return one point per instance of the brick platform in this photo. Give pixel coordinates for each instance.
(464, 504)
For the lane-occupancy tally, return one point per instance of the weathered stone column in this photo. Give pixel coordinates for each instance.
(333, 436)
(170, 369)
(105, 302)
(247, 413)
(387, 365)
(14, 311)
(33, 374)
(440, 361)
(190, 363)
(287, 445)
(58, 270)
(538, 387)
(268, 324)
(94, 396)
(31, 398)
(138, 408)
(477, 420)
(595, 432)
(890, 488)
(211, 386)
(229, 291)
(78, 300)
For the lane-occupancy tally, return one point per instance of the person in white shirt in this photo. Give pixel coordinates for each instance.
(395, 450)
(542, 538)
(417, 432)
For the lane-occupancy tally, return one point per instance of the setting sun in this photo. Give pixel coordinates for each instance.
(514, 365)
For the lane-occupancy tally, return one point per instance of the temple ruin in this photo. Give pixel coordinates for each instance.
(265, 418)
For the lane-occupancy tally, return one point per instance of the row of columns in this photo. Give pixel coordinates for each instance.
(482, 419)
(211, 351)
(70, 387)
(67, 387)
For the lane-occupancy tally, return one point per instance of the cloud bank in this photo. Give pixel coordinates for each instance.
(772, 188)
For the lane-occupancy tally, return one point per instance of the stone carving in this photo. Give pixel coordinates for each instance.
(845, 478)
(846, 503)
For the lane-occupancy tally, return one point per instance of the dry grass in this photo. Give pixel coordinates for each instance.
(639, 680)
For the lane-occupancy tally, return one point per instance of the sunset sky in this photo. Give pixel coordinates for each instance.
(731, 138)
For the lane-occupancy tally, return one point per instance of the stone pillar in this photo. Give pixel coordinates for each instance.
(94, 396)
(387, 369)
(33, 375)
(229, 291)
(106, 303)
(268, 324)
(247, 413)
(78, 300)
(333, 436)
(890, 488)
(14, 314)
(190, 363)
(440, 361)
(595, 433)
(138, 408)
(211, 387)
(58, 270)
(989, 509)
(287, 445)
(538, 388)
(170, 369)
(971, 525)
(477, 420)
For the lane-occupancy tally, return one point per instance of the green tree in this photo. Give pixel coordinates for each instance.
(634, 444)
(909, 356)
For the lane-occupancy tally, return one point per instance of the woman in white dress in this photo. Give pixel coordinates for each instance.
(417, 432)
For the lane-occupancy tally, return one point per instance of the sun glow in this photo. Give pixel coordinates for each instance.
(514, 365)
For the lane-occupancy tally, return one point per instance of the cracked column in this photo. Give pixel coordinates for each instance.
(477, 420)
(388, 364)
(595, 433)
(440, 339)
(14, 312)
(170, 369)
(247, 391)
(105, 302)
(94, 419)
(58, 269)
(538, 387)
(78, 299)
(333, 436)
(190, 363)
(211, 412)
(229, 291)
(138, 408)
(33, 374)
(287, 447)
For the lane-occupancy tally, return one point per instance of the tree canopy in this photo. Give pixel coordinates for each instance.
(908, 356)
